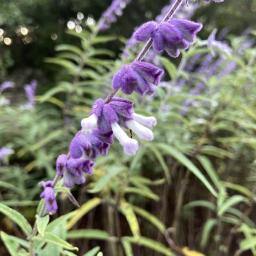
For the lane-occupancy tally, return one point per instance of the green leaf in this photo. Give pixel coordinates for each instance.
(54, 239)
(6, 185)
(103, 39)
(131, 218)
(20, 203)
(59, 222)
(149, 217)
(201, 203)
(160, 158)
(69, 48)
(239, 188)
(13, 243)
(210, 171)
(11, 246)
(170, 67)
(248, 244)
(187, 163)
(241, 216)
(93, 252)
(64, 87)
(208, 226)
(68, 65)
(106, 179)
(236, 199)
(127, 247)
(89, 234)
(84, 209)
(41, 223)
(67, 253)
(151, 244)
(141, 192)
(17, 218)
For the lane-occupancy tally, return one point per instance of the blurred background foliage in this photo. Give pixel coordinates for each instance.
(47, 23)
(191, 190)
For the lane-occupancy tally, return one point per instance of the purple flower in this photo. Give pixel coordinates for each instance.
(73, 169)
(218, 46)
(118, 113)
(171, 36)
(90, 144)
(49, 197)
(30, 91)
(5, 152)
(6, 85)
(110, 15)
(139, 76)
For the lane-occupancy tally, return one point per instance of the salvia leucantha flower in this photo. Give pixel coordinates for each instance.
(6, 85)
(110, 15)
(111, 117)
(73, 169)
(140, 77)
(171, 36)
(117, 114)
(217, 46)
(49, 197)
(90, 144)
(30, 91)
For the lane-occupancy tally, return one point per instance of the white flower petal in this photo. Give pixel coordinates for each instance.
(130, 146)
(141, 131)
(89, 123)
(149, 121)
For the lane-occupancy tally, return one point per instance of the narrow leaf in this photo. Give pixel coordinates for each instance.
(84, 209)
(89, 234)
(187, 163)
(17, 218)
(131, 218)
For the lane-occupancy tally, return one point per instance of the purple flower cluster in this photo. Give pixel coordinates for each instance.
(30, 91)
(110, 118)
(169, 36)
(110, 15)
(140, 77)
(186, 12)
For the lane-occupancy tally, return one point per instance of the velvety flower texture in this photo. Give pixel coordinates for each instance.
(110, 15)
(90, 144)
(139, 76)
(48, 195)
(112, 116)
(73, 169)
(171, 36)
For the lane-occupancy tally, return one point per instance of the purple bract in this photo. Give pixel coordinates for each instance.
(139, 76)
(169, 36)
